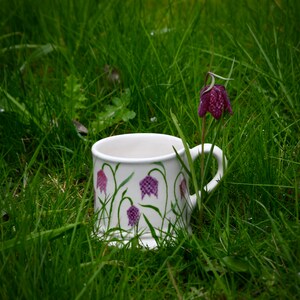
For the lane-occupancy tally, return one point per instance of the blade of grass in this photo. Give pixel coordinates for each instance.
(189, 158)
(21, 108)
(212, 268)
(277, 233)
(44, 235)
(276, 76)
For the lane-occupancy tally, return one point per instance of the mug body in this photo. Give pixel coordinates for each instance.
(140, 188)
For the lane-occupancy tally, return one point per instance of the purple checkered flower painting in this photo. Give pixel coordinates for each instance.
(133, 215)
(148, 186)
(183, 188)
(101, 181)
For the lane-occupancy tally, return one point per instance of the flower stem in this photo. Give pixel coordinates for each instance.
(212, 81)
(218, 76)
(213, 75)
(202, 173)
(202, 152)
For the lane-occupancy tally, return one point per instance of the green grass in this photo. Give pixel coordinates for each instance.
(52, 58)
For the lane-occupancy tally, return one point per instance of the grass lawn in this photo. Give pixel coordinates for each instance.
(123, 66)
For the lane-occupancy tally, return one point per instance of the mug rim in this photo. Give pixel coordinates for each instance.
(119, 159)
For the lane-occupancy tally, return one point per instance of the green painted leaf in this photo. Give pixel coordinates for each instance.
(152, 230)
(126, 180)
(152, 207)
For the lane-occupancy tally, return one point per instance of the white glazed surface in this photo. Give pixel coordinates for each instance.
(140, 173)
(137, 147)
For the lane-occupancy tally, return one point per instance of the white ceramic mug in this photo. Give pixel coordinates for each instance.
(141, 188)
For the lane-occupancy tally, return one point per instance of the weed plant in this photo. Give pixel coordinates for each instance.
(122, 66)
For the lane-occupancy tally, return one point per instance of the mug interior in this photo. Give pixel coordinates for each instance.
(138, 147)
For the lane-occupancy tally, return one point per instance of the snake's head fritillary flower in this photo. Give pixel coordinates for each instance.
(214, 98)
(183, 188)
(133, 215)
(148, 186)
(215, 101)
(101, 181)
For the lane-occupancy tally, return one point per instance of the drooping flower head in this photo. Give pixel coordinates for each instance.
(133, 215)
(214, 99)
(101, 181)
(148, 186)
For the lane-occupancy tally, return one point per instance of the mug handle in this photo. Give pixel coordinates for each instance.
(221, 160)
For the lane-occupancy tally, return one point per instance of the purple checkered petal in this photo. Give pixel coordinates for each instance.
(101, 181)
(133, 215)
(215, 101)
(204, 102)
(227, 105)
(148, 186)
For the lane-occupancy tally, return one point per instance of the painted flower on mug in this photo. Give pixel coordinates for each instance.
(183, 188)
(148, 186)
(101, 181)
(133, 215)
(214, 100)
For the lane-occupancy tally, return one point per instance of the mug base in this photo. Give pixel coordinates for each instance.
(144, 241)
(147, 244)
